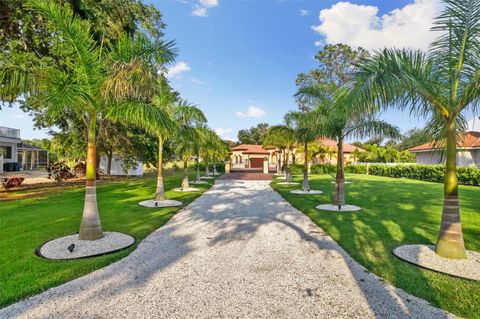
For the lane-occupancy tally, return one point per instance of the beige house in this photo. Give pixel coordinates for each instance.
(252, 156)
(468, 151)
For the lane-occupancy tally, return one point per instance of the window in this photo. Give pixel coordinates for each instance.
(6, 151)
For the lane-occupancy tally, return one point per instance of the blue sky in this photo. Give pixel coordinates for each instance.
(238, 60)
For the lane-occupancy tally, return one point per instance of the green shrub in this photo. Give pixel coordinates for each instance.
(220, 167)
(428, 173)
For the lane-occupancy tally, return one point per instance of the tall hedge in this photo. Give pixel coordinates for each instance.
(428, 173)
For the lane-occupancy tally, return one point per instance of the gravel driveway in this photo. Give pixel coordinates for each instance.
(238, 251)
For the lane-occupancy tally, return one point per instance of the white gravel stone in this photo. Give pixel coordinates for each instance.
(345, 182)
(198, 182)
(151, 203)
(287, 183)
(280, 177)
(424, 256)
(238, 251)
(310, 192)
(187, 189)
(334, 208)
(111, 241)
(207, 177)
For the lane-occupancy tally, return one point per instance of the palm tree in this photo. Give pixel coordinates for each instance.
(282, 136)
(339, 122)
(442, 84)
(100, 79)
(160, 123)
(306, 130)
(220, 152)
(188, 117)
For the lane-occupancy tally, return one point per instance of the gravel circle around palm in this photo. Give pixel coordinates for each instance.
(59, 248)
(186, 189)
(151, 203)
(425, 257)
(334, 208)
(287, 183)
(310, 192)
(198, 182)
(345, 182)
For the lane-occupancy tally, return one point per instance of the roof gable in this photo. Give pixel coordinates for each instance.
(469, 140)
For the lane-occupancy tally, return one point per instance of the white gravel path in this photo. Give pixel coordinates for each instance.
(238, 251)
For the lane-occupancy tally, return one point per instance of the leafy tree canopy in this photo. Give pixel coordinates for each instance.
(253, 135)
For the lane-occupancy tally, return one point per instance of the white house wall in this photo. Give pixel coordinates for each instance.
(13, 144)
(464, 157)
(118, 168)
(429, 158)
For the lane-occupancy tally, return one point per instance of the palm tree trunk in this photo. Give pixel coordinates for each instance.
(160, 192)
(279, 162)
(306, 186)
(214, 168)
(197, 169)
(206, 169)
(185, 183)
(109, 162)
(339, 197)
(284, 166)
(289, 175)
(90, 227)
(450, 238)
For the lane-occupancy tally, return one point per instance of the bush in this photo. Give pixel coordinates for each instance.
(12, 182)
(220, 167)
(80, 169)
(59, 172)
(428, 173)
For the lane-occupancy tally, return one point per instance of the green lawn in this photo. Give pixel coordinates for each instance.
(27, 223)
(396, 212)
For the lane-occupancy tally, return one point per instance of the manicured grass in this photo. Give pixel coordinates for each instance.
(27, 223)
(396, 212)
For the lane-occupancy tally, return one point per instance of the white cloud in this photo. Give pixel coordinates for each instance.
(360, 25)
(303, 12)
(222, 131)
(197, 81)
(199, 12)
(253, 111)
(209, 3)
(201, 9)
(318, 43)
(19, 116)
(177, 69)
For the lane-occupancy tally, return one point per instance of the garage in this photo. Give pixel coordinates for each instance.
(256, 163)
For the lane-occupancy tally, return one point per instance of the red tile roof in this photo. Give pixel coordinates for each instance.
(347, 148)
(470, 140)
(250, 149)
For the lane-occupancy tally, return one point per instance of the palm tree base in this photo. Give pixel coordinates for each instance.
(151, 203)
(337, 208)
(424, 256)
(186, 189)
(207, 177)
(302, 192)
(345, 182)
(449, 249)
(288, 183)
(198, 182)
(71, 247)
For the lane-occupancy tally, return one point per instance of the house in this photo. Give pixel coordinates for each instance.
(468, 151)
(117, 166)
(328, 152)
(252, 155)
(16, 155)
